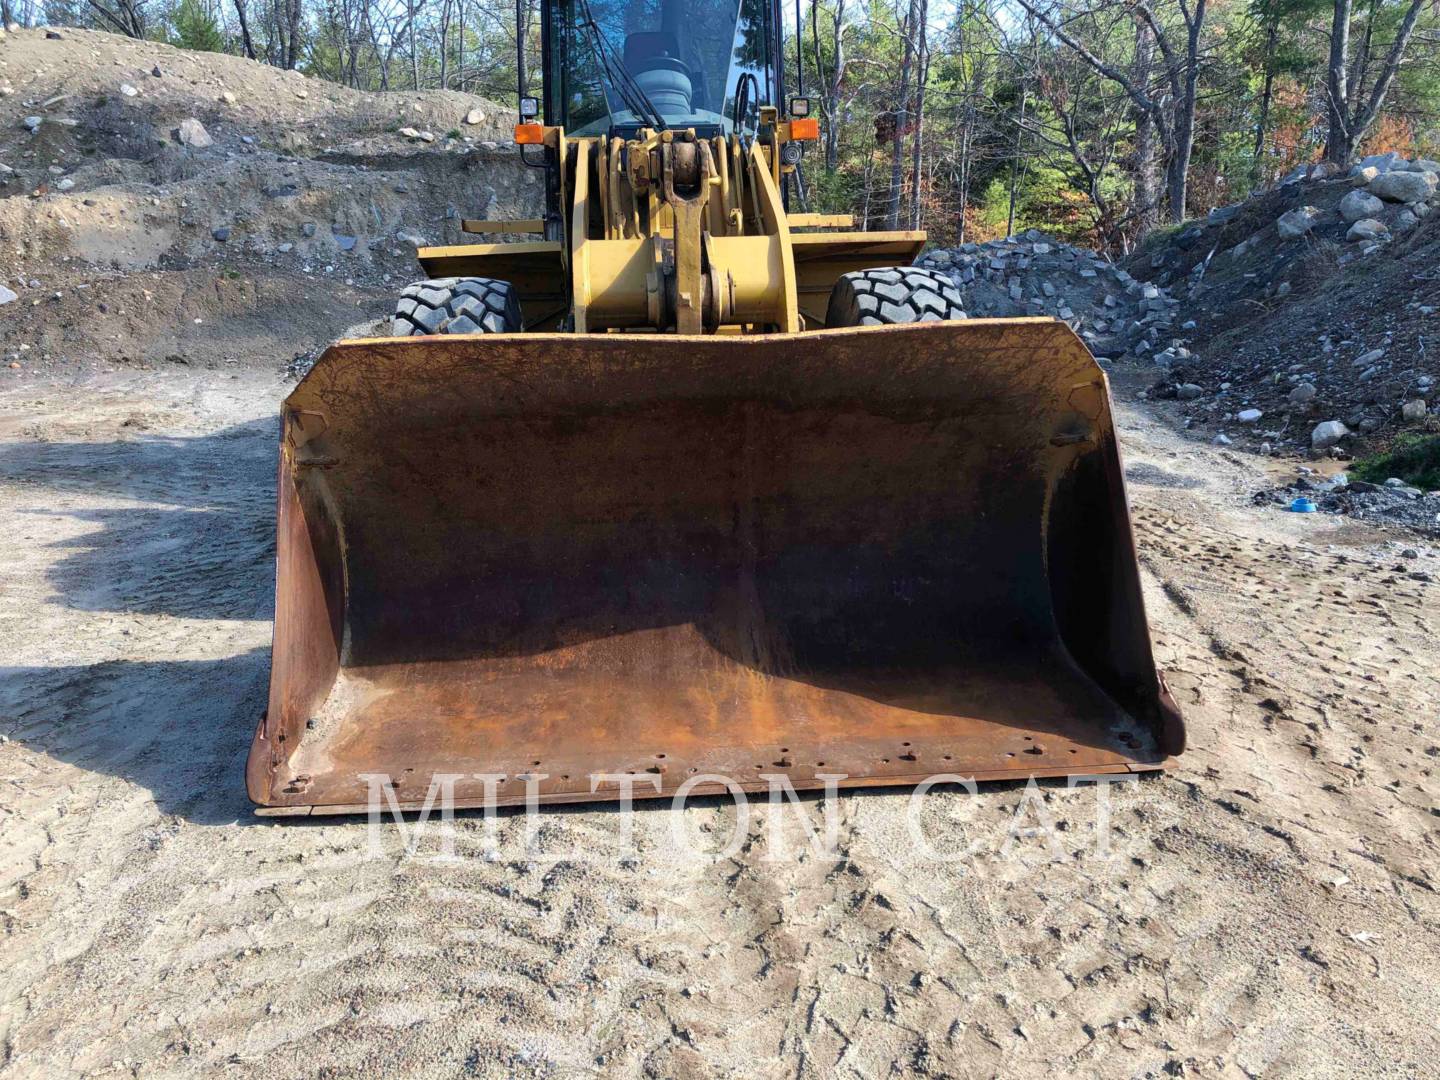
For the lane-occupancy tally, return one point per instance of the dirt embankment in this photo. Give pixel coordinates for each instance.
(1300, 319)
(146, 192)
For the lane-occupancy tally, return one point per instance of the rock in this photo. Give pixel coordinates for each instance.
(1425, 165)
(413, 239)
(1405, 221)
(128, 90)
(1327, 434)
(33, 123)
(7, 295)
(1359, 204)
(308, 229)
(1367, 358)
(192, 133)
(474, 116)
(221, 234)
(1282, 290)
(1409, 553)
(156, 72)
(1302, 394)
(1367, 229)
(1189, 391)
(1297, 222)
(1414, 410)
(1221, 439)
(65, 183)
(1403, 187)
(54, 35)
(1380, 162)
(1249, 416)
(281, 191)
(228, 98)
(285, 248)
(346, 243)
(1360, 177)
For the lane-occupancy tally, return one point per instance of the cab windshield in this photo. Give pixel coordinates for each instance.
(684, 58)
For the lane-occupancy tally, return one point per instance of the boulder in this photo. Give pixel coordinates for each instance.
(1249, 416)
(1367, 229)
(1359, 204)
(1297, 222)
(1403, 187)
(1360, 177)
(474, 116)
(1188, 391)
(1327, 434)
(1414, 410)
(1381, 163)
(192, 133)
(7, 295)
(1302, 394)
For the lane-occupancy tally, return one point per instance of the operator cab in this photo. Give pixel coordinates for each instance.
(615, 66)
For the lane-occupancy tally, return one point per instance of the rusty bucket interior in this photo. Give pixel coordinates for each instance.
(878, 553)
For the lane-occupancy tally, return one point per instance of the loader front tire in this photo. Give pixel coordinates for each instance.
(457, 305)
(896, 294)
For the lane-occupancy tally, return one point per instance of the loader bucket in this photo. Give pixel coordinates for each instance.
(880, 553)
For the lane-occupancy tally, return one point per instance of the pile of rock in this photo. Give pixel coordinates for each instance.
(1392, 503)
(1391, 196)
(1033, 274)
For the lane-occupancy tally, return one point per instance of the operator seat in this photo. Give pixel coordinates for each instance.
(653, 59)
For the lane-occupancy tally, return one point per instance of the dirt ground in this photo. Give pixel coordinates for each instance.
(1269, 909)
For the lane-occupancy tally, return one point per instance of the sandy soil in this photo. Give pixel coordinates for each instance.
(1269, 909)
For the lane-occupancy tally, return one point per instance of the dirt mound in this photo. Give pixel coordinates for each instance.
(232, 181)
(1301, 325)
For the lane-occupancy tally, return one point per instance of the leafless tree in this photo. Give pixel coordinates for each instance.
(1172, 112)
(1350, 108)
(830, 83)
(127, 16)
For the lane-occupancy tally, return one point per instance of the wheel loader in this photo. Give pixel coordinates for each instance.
(685, 490)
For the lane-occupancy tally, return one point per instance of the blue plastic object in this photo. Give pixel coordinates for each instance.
(1303, 504)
